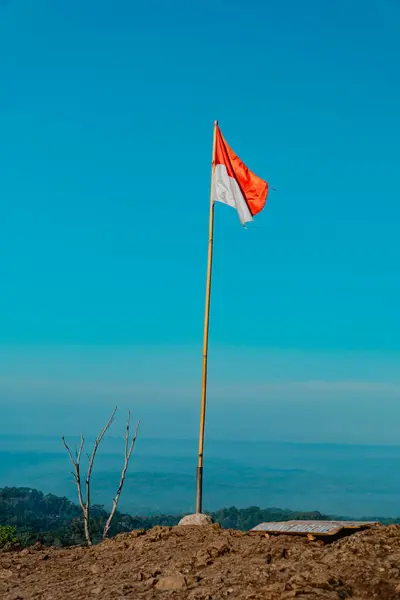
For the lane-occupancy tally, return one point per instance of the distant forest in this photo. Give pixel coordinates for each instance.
(55, 521)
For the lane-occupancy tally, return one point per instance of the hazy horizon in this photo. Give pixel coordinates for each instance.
(354, 481)
(267, 394)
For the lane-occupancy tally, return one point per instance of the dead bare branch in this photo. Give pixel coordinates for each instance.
(85, 504)
(77, 476)
(127, 453)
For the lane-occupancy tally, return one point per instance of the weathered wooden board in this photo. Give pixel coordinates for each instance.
(311, 527)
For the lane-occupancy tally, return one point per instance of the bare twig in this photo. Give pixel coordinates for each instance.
(128, 452)
(92, 457)
(77, 476)
(85, 505)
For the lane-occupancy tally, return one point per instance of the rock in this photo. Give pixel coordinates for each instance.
(97, 591)
(95, 569)
(172, 582)
(155, 573)
(137, 533)
(149, 583)
(196, 519)
(219, 548)
(198, 593)
(203, 559)
(4, 573)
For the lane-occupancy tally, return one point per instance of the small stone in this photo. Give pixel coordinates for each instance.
(97, 591)
(172, 582)
(218, 548)
(203, 558)
(95, 569)
(221, 546)
(155, 573)
(137, 533)
(198, 593)
(4, 573)
(196, 519)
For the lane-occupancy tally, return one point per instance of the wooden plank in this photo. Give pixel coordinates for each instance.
(319, 528)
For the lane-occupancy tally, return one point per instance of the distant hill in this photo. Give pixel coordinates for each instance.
(53, 520)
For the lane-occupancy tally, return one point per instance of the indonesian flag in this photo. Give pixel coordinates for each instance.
(234, 184)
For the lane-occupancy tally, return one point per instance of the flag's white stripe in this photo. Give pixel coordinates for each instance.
(225, 189)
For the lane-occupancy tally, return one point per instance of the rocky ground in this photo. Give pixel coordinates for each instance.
(209, 563)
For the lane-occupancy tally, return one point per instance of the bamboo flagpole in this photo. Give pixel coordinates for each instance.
(240, 188)
(199, 477)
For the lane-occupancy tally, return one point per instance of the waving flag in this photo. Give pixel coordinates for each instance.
(234, 184)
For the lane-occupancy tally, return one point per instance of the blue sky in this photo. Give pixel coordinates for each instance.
(106, 112)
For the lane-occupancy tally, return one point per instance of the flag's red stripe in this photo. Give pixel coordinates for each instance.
(253, 188)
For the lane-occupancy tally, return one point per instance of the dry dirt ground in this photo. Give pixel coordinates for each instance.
(209, 563)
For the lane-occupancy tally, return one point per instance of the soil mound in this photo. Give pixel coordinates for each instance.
(209, 563)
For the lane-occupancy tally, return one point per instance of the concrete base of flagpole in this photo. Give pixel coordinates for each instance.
(196, 519)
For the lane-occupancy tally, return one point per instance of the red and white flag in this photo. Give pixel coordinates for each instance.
(234, 184)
